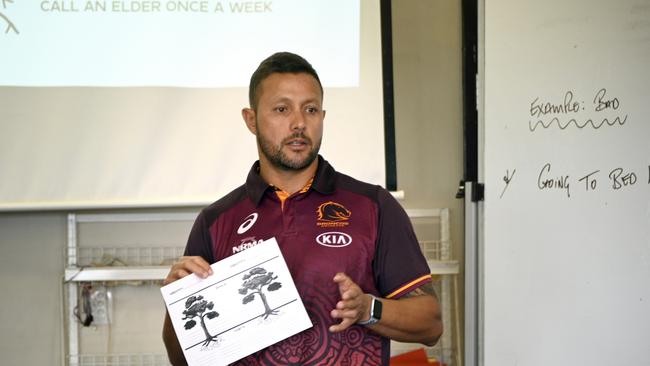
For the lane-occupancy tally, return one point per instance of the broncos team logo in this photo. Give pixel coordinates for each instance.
(332, 214)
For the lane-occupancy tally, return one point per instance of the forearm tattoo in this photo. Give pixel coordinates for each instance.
(426, 289)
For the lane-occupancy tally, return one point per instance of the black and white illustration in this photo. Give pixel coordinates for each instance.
(257, 281)
(196, 307)
(249, 303)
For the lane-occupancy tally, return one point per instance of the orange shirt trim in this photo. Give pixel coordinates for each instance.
(282, 195)
(413, 283)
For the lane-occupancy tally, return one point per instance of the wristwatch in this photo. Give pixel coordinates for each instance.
(375, 312)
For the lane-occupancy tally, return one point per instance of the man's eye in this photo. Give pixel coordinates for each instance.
(312, 109)
(281, 109)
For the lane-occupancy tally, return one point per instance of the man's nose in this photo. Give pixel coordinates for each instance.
(298, 121)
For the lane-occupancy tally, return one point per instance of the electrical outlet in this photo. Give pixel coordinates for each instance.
(101, 305)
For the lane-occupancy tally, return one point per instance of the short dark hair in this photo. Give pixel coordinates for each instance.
(281, 62)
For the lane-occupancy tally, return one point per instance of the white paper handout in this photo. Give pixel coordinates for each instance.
(249, 303)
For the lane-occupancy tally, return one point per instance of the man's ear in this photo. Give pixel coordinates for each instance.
(249, 118)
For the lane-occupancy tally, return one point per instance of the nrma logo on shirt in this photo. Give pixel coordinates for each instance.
(245, 244)
(334, 239)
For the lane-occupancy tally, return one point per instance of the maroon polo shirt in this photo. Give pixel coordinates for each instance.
(338, 224)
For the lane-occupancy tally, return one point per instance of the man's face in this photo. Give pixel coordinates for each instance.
(288, 122)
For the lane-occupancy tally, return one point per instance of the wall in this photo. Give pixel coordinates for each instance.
(428, 107)
(31, 269)
(428, 102)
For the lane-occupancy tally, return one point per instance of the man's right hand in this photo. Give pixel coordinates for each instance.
(187, 265)
(183, 267)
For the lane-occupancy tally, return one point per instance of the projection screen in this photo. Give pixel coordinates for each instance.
(108, 104)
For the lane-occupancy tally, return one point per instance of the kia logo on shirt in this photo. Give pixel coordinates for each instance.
(249, 221)
(334, 239)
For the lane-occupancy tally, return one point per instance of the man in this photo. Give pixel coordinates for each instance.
(349, 246)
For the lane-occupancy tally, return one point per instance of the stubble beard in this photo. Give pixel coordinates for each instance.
(280, 160)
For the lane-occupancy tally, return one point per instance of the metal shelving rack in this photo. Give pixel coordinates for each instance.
(85, 265)
(436, 246)
(135, 264)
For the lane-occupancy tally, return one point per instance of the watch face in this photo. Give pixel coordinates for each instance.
(376, 309)
(375, 313)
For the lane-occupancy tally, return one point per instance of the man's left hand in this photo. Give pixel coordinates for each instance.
(353, 306)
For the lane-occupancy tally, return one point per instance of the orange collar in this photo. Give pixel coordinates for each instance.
(282, 195)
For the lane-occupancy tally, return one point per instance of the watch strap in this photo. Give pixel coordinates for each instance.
(375, 312)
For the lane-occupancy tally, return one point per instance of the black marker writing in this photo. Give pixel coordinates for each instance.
(572, 113)
(602, 103)
(568, 106)
(580, 125)
(590, 183)
(561, 182)
(620, 180)
(507, 179)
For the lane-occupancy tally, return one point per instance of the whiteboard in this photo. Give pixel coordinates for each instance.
(566, 166)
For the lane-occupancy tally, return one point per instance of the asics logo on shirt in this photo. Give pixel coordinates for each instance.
(249, 221)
